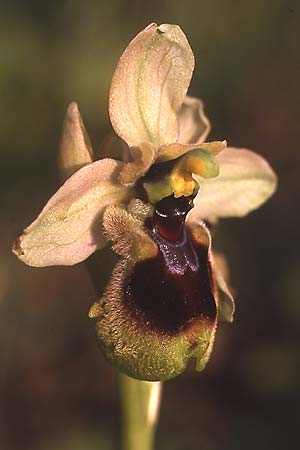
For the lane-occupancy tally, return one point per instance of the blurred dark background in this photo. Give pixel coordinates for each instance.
(56, 390)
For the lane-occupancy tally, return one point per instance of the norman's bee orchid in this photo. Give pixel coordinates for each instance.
(152, 202)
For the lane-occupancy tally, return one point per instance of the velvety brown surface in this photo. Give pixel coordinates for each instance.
(173, 289)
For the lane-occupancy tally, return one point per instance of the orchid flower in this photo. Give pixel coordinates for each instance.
(153, 202)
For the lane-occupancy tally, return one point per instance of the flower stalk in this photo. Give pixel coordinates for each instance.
(140, 402)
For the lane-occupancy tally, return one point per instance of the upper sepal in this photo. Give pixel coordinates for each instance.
(149, 85)
(69, 228)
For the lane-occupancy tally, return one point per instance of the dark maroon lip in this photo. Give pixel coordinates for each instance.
(172, 290)
(168, 292)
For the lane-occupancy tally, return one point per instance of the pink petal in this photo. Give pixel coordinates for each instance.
(75, 147)
(194, 126)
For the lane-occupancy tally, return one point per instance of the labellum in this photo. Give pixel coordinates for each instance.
(160, 311)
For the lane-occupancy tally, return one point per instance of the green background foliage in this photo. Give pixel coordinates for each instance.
(56, 390)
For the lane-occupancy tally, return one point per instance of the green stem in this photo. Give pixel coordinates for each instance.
(140, 402)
